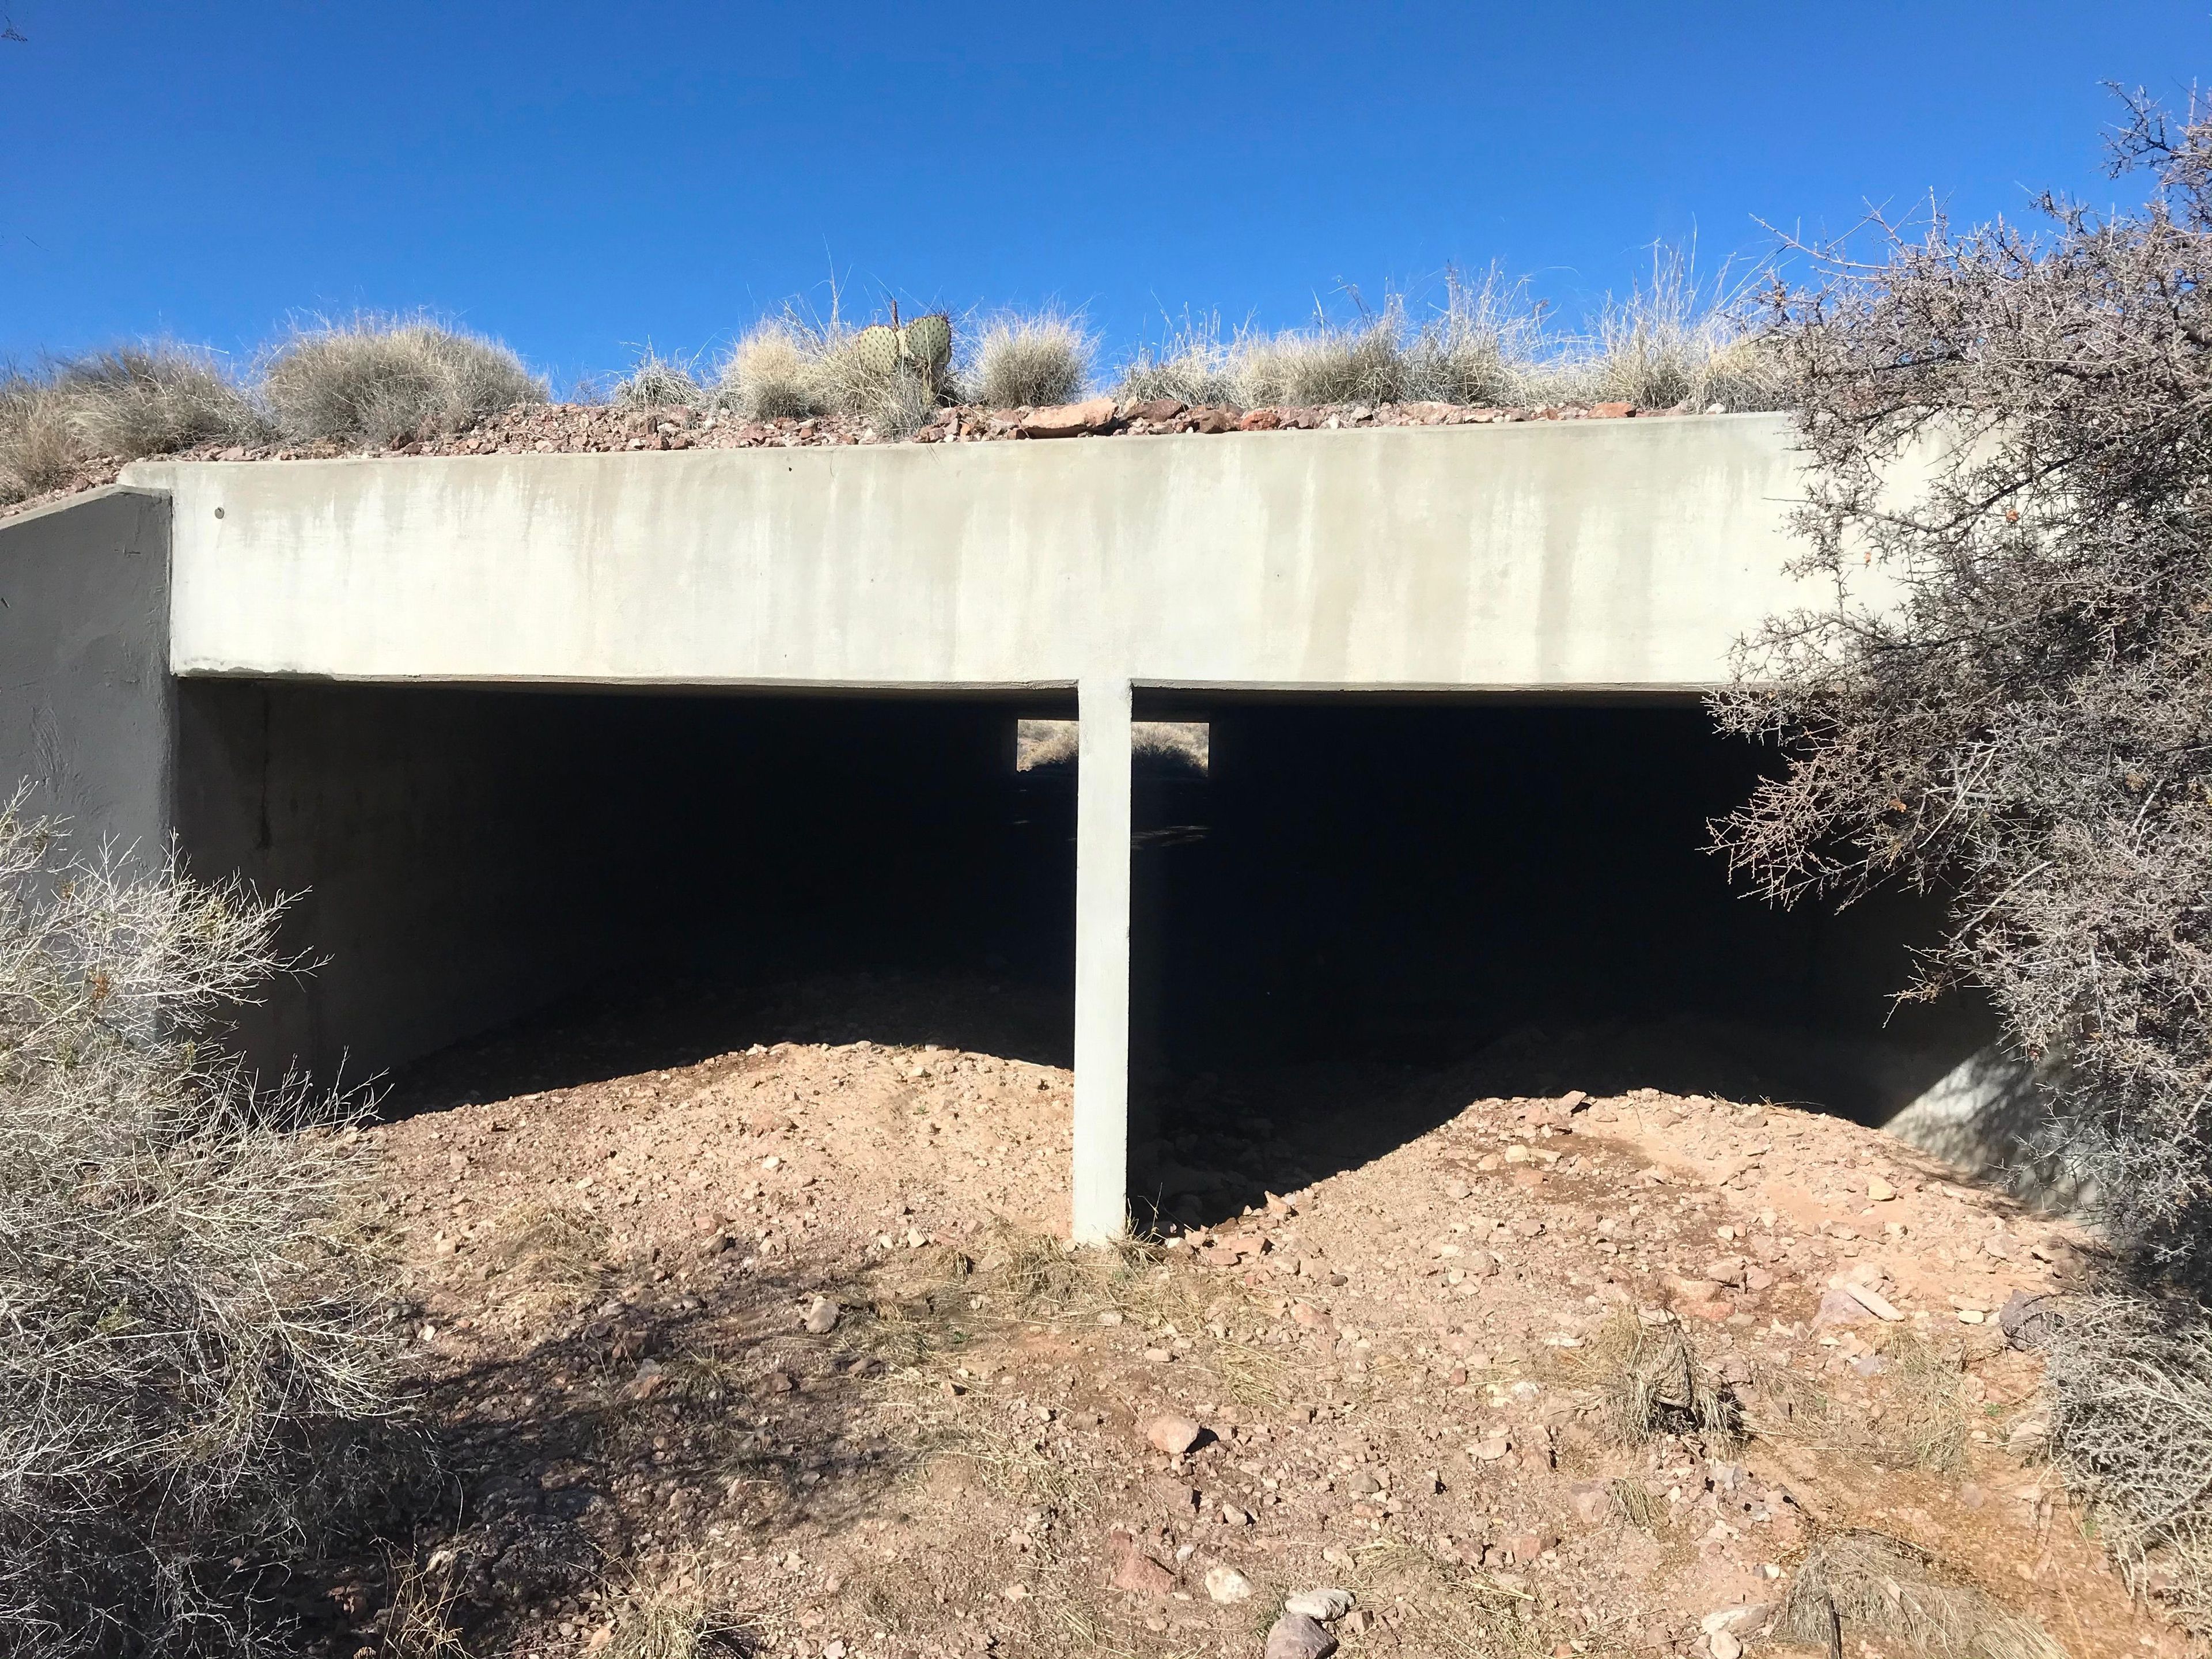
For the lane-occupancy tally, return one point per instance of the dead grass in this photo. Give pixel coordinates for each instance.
(2128, 1381)
(661, 382)
(769, 374)
(1029, 359)
(891, 374)
(371, 379)
(1923, 1420)
(154, 399)
(1192, 365)
(557, 1252)
(672, 1615)
(1651, 1384)
(1675, 342)
(39, 448)
(1859, 1585)
(418, 1619)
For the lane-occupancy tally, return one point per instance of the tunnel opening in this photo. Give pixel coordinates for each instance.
(513, 887)
(1350, 917)
(1374, 911)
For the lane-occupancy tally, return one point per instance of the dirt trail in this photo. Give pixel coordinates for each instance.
(782, 1335)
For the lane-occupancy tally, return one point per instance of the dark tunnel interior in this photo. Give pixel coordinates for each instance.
(1365, 913)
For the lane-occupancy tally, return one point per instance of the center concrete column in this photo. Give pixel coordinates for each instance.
(1102, 961)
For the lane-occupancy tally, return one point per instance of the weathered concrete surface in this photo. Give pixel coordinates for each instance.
(1099, 1195)
(1623, 554)
(85, 702)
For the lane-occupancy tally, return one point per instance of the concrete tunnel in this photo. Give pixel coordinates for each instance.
(523, 728)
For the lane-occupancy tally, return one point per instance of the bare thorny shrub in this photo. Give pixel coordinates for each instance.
(2015, 430)
(2028, 724)
(187, 1361)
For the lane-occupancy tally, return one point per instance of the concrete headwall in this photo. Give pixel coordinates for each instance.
(85, 702)
(1623, 554)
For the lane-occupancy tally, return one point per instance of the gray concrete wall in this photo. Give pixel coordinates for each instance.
(1595, 554)
(451, 856)
(85, 702)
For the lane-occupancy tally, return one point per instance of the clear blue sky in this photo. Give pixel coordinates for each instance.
(577, 179)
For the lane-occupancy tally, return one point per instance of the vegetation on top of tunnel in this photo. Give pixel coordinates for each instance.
(1678, 341)
(2029, 728)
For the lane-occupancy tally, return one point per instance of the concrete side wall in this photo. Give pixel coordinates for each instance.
(1599, 554)
(85, 704)
(464, 855)
(447, 852)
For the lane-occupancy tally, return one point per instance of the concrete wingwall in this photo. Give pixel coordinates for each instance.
(86, 704)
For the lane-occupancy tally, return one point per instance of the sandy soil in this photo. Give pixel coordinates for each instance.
(780, 1342)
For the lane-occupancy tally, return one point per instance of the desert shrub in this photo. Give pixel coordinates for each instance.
(2129, 1388)
(880, 373)
(793, 365)
(659, 382)
(1191, 366)
(1478, 346)
(39, 450)
(1037, 359)
(378, 380)
(1675, 342)
(2013, 432)
(154, 400)
(1358, 362)
(1856, 1584)
(770, 374)
(187, 1362)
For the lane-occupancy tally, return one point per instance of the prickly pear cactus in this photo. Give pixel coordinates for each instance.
(928, 341)
(876, 349)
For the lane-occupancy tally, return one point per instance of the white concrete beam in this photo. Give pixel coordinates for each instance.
(1102, 961)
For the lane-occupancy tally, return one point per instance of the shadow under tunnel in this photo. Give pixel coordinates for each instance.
(1364, 913)
(1373, 911)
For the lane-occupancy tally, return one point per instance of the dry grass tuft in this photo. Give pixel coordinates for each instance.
(1636, 1506)
(380, 379)
(1192, 365)
(673, 1617)
(418, 1623)
(659, 382)
(794, 365)
(39, 449)
(1925, 1421)
(1360, 362)
(1033, 359)
(1035, 1268)
(770, 375)
(2129, 1386)
(154, 400)
(1868, 1584)
(1675, 343)
(551, 1247)
(1653, 1384)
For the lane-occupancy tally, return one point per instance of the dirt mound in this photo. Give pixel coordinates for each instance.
(782, 1343)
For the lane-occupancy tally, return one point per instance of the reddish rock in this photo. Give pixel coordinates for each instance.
(1611, 411)
(1214, 420)
(1071, 420)
(1260, 420)
(1133, 1570)
(1172, 1434)
(1154, 409)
